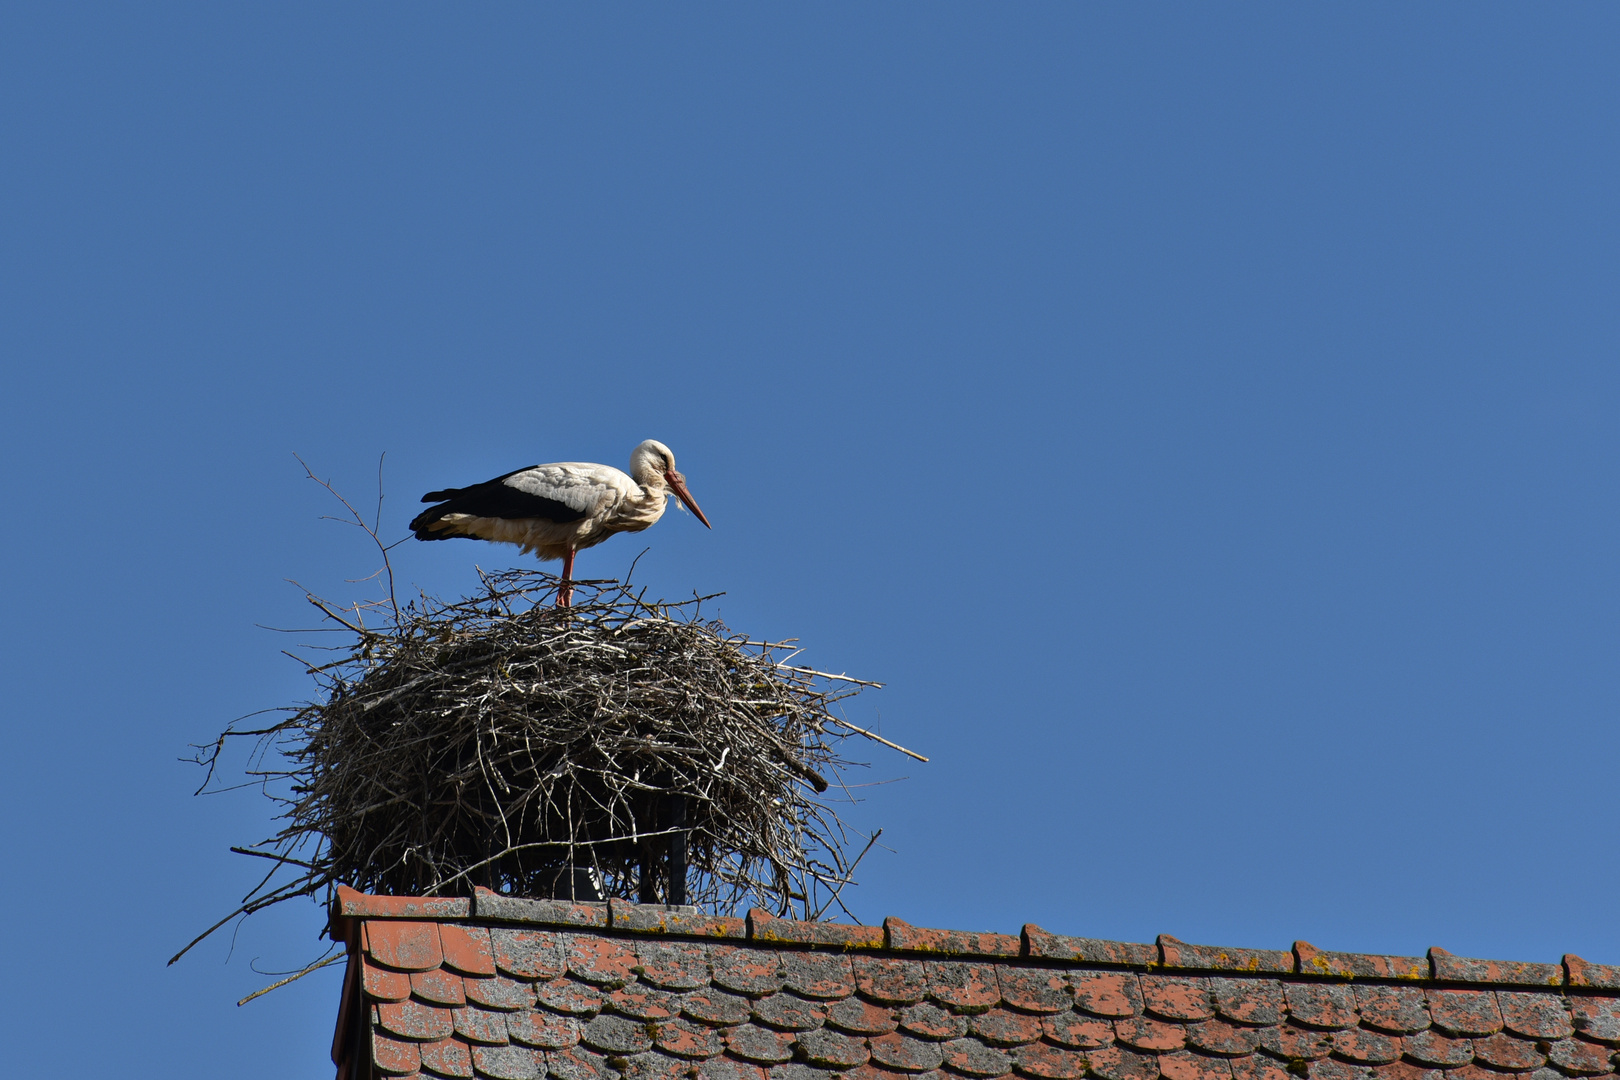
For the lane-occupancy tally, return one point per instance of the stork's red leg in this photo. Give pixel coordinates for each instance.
(565, 591)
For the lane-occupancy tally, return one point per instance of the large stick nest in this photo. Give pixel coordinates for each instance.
(499, 741)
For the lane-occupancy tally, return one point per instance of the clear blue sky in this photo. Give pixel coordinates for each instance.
(1203, 418)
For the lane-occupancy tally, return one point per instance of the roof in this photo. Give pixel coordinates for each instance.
(514, 989)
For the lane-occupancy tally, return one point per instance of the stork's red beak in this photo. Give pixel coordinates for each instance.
(677, 484)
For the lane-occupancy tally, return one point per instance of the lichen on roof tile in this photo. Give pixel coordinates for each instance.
(404, 944)
(963, 986)
(1177, 953)
(1177, 997)
(1049, 946)
(901, 935)
(1257, 1002)
(672, 965)
(1465, 1012)
(1398, 1010)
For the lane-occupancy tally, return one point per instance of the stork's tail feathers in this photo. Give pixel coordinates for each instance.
(442, 496)
(423, 524)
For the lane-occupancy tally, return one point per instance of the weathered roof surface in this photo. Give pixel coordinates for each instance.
(523, 989)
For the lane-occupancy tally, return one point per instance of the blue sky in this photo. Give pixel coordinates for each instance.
(1202, 417)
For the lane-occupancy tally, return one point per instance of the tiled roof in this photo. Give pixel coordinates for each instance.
(523, 989)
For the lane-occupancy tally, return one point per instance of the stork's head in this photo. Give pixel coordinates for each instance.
(652, 464)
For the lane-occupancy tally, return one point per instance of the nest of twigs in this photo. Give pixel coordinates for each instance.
(503, 742)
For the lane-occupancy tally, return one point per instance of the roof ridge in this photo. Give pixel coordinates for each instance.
(1166, 953)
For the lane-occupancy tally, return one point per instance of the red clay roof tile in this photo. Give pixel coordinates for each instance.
(1186, 1066)
(687, 1040)
(1292, 1043)
(438, 986)
(499, 992)
(1405, 1070)
(1596, 1018)
(652, 1065)
(405, 945)
(673, 922)
(467, 948)
(616, 1035)
(818, 975)
(601, 961)
(1465, 1012)
(528, 954)
(509, 1062)
(1398, 1010)
(480, 1025)
(1263, 1068)
(1433, 1048)
(746, 971)
(1330, 1069)
(964, 987)
(1177, 997)
(759, 1044)
(672, 965)
(856, 1017)
(351, 903)
(1177, 953)
(763, 926)
(831, 1050)
(1462, 969)
(1003, 1027)
(1049, 1062)
(394, 1055)
(1259, 1002)
(413, 1019)
(643, 1003)
(1366, 1047)
(383, 985)
(1581, 973)
(1037, 990)
(618, 992)
(1140, 1033)
(789, 1012)
(1503, 1051)
(716, 1007)
(907, 938)
(1116, 1063)
(1537, 1016)
(1110, 993)
(906, 1053)
(494, 907)
(1313, 961)
(1321, 1005)
(1049, 946)
(1580, 1057)
(447, 1057)
(928, 1021)
(890, 981)
(543, 1030)
(970, 1057)
(567, 996)
(1223, 1039)
(1075, 1030)
(576, 1063)
(726, 1069)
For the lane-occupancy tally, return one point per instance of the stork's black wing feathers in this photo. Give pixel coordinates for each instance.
(493, 499)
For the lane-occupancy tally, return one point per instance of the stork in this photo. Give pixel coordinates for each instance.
(556, 510)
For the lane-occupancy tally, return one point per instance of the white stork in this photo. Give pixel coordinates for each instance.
(555, 510)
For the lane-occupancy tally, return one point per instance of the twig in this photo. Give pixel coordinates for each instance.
(875, 738)
(330, 960)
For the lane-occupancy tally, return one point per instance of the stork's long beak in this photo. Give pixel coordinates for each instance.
(677, 484)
